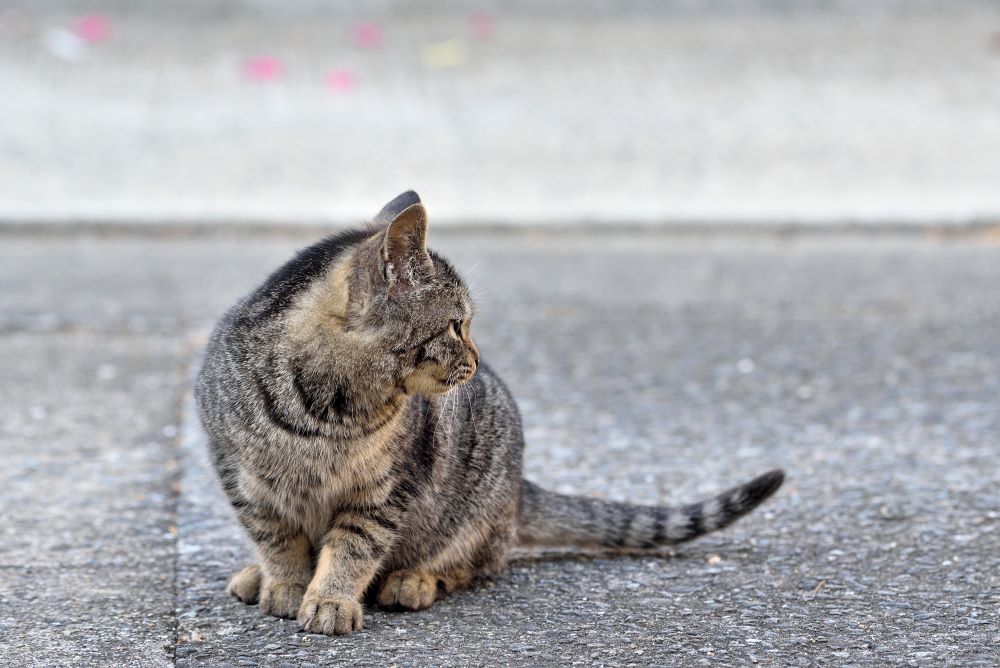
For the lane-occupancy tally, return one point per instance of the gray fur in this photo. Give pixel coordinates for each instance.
(365, 448)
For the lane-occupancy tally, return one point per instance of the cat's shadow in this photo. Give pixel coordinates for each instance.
(529, 555)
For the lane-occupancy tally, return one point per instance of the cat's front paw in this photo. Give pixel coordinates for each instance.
(332, 615)
(409, 590)
(245, 585)
(281, 598)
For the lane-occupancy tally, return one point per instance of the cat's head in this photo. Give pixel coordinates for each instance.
(415, 303)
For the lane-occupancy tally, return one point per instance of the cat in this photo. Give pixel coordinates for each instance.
(325, 396)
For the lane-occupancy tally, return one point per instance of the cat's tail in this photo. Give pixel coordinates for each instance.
(548, 518)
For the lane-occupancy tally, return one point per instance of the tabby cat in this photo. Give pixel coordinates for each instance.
(324, 395)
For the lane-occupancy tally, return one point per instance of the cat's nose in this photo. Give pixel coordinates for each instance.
(472, 349)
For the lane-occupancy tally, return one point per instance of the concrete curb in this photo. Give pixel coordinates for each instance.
(977, 229)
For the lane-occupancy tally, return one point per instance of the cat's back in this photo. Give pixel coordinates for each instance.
(242, 341)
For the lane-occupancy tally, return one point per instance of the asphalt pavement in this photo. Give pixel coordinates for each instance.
(867, 367)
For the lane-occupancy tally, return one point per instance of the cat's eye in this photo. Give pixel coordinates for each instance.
(456, 327)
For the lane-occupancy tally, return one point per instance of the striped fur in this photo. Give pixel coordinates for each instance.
(547, 518)
(367, 451)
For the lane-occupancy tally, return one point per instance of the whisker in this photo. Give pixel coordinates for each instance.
(472, 415)
(478, 291)
(470, 271)
(454, 407)
(439, 415)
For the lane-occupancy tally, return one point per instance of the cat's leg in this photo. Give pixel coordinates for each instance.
(245, 584)
(418, 589)
(349, 557)
(478, 549)
(284, 552)
(285, 556)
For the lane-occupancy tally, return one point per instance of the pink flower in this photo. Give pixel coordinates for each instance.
(263, 68)
(340, 81)
(482, 25)
(368, 35)
(92, 28)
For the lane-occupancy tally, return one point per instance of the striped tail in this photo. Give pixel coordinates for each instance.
(547, 518)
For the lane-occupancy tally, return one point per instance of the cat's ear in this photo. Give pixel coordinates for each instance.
(404, 243)
(392, 210)
(406, 237)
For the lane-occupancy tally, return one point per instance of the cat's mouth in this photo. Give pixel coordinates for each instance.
(462, 374)
(430, 381)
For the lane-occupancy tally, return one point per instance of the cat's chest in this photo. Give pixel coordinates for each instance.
(316, 505)
(309, 486)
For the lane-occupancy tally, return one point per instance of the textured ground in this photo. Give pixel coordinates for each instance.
(555, 111)
(652, 368)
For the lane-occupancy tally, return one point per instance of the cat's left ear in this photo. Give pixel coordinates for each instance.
(404, 244)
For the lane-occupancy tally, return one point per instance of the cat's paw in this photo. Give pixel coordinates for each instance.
(410, 590)
(332, 615)
(281, 598)
(245, 585)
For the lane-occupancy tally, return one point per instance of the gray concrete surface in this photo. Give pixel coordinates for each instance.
(677, 111)
(87, 548)
(868, 368)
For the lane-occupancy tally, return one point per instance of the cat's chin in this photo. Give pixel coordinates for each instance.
(427, 386)
(445, 388)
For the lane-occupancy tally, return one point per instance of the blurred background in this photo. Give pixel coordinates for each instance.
(880, 111)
